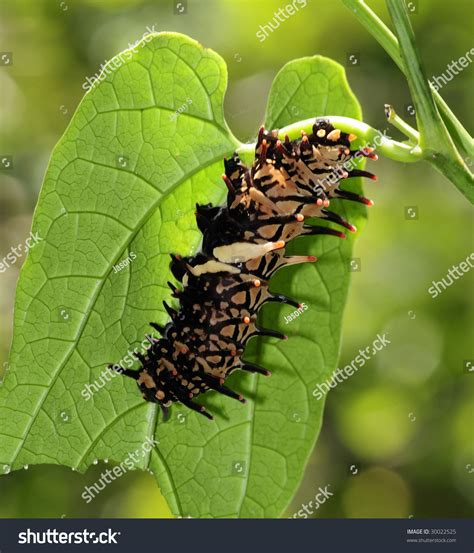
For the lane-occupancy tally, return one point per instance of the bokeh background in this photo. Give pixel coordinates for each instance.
(397, 439)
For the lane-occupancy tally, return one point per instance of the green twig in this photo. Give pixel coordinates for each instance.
(394, 119)
(435, 140)
(431, 127)
(377, 28)
(398, 151)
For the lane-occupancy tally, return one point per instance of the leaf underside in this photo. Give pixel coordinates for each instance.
(146, 144)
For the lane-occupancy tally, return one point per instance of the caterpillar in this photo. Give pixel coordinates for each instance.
(243, 245)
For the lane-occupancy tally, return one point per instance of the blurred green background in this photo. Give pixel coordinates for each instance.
(397, 439)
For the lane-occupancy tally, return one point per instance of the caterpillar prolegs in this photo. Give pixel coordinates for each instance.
(226, 283)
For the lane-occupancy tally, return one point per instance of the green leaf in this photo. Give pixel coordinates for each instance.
(144, 146)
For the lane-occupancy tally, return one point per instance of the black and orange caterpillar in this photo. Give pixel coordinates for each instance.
(226, 283)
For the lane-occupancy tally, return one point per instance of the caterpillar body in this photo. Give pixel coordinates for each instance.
(227, 282)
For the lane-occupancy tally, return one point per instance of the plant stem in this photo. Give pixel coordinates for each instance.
(435, 140)
(456, 171)
(398, 151)
(394, 119)
(430, 125)
(376, 27)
